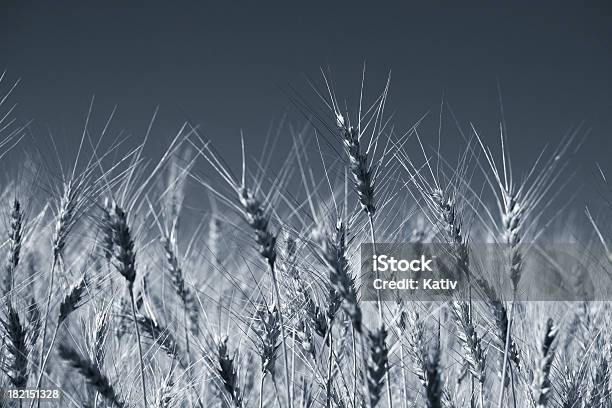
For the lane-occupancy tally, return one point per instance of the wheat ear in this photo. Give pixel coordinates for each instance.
(162, 337)
(16, 347)
(92, 375)
(66, 217)
(541, 385)
(600, 392)
(14, 246)
(331, 249)
(267, 328)
(500, 315)
(69, 304)
(228, 373)
(474, 354)
(377, 366)
(258, 220)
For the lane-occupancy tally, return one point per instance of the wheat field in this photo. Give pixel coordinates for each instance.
(112, 295)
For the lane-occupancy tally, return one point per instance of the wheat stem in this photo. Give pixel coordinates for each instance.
(261, 385)
(506, 351)
(142, 375)
(282, 328)
(404, 376)
(381, 321)
(354, 365)
(328, 383)
(44, 361)
(44, 329)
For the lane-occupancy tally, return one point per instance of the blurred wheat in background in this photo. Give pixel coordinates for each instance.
(113, 295)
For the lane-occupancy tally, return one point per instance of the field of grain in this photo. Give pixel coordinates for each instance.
(115, 297)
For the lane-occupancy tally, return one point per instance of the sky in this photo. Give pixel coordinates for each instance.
(231, 66)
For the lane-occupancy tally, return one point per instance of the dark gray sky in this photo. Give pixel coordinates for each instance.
(228, 65)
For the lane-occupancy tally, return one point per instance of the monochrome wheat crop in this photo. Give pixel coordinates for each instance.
(195, 279)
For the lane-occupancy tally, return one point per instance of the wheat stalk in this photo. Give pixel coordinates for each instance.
(257, 215)
(125, 263)
(69, 208)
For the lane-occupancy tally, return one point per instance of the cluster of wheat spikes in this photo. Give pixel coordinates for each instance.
(122, 289)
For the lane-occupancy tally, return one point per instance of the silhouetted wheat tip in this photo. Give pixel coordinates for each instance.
(14, 245)
(16, 349)
(358, 165)
(377, 365)
(91, 374)
(228, 373)
(259, 221)
(125, 255)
